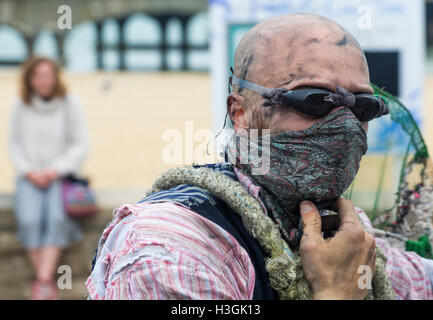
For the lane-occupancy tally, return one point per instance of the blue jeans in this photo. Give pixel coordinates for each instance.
(41, 218)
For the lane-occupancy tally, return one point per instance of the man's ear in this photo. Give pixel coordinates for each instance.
(236, 111)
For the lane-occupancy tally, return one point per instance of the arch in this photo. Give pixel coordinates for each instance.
(175, 42)
(174, 31)
(141, 41)
(150, 30)
(17, 48)
(79, 40)
(110, 31)
(108, 36)
(199, 23)
(46, 44)
(197, 30)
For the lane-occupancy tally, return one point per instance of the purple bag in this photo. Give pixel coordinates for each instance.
(78, 199)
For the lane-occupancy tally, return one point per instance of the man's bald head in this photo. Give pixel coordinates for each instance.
(298, 50)
(288, 40)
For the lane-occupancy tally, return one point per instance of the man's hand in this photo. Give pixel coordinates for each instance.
(331, 265)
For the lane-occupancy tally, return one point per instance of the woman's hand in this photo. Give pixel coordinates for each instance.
(42, 179)
(51, 174)
(331, 265)
(38, 179)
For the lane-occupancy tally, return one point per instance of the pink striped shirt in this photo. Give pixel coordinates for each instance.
(163, 250)
(407, 272)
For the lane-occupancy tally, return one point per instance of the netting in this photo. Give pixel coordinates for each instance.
(393, 184)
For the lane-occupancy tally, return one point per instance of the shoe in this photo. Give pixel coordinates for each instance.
(44, 290)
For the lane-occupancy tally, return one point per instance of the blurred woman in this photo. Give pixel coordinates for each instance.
(48, 139)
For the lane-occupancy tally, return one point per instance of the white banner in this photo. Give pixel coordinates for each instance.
(395, 26)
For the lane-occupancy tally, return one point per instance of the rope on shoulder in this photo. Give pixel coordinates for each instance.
(283, 265)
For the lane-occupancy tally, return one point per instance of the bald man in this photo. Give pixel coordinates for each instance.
(187, 243)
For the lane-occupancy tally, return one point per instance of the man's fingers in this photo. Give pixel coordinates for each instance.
(311, 221)
(347, 213)
(372, 252)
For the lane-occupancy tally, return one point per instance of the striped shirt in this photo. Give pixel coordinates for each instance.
(164, 250)
(407, 270)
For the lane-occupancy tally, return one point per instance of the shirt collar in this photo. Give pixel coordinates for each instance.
(252, 188)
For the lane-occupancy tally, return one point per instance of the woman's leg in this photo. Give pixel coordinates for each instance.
(57, 232)
(28, 214)
(44, 287)
(49, 259)
(34, 256)
(52, 244)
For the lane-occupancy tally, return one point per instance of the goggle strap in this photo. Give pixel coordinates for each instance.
(240, 83)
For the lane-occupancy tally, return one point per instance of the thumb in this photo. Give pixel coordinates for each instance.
(311, 221)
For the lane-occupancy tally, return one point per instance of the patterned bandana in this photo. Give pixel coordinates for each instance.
(316, 164)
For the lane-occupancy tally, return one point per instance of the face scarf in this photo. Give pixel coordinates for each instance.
(316, 164)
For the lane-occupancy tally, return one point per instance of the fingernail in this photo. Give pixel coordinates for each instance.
(305, 207)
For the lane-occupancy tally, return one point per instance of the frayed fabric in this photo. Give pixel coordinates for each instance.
(342, 98)
(274, 97)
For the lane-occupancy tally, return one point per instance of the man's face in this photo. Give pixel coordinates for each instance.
(311, 62)
(318, 69)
